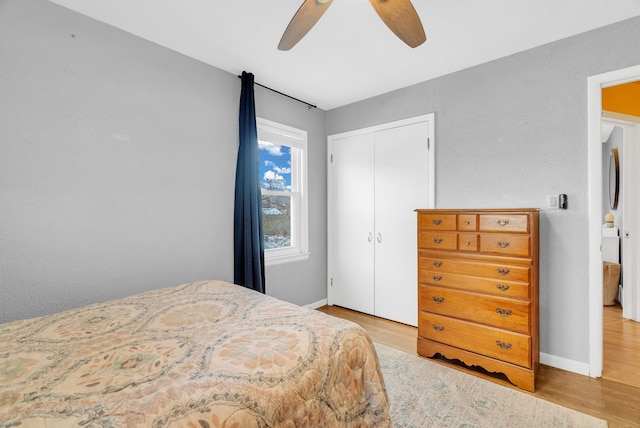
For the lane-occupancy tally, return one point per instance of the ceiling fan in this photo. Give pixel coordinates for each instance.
(399, 15)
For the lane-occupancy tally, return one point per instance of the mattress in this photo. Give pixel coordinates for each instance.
(203, 354)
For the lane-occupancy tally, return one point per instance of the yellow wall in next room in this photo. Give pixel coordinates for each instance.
(622, 98)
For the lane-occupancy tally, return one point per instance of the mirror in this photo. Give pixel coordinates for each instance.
(614, 178)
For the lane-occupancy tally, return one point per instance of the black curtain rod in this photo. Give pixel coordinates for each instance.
(282, 93)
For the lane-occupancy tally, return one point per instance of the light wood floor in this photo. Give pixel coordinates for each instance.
(621, 356)
(610, 398)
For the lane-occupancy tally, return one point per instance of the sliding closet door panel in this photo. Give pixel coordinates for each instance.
(353, 223)
(401, 186)
(628, 218)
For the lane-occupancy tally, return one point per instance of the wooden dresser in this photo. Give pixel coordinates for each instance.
(478, 289)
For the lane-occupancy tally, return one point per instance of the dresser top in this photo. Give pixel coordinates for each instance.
(478, 211)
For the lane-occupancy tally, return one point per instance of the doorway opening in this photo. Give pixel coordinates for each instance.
(595, 84)
(621, 331)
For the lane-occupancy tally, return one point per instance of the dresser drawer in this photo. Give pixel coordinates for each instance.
(467, 222)
(437, 221)
(438, 240)
(505, 244)
(489, 341)
(508, 289)
(468, 242)
(504, 223)
(503, 272)
(498, 312)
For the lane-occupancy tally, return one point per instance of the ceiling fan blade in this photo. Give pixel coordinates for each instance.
(401, 18)
(304, 19)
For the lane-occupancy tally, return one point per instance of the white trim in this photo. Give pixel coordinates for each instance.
(430, 118)
(285, 258)
(395, 124)
(594, 154)
(281, 134)
(329, 220)
(620, 117)
(564, 364)
(316, 305)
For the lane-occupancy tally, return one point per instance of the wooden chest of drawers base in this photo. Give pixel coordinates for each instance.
(521, 377)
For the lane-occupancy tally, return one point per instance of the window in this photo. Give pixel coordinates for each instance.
(283, 170)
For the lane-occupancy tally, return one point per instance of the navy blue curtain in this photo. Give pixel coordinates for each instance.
(248, 251)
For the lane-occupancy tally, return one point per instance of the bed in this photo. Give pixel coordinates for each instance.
(203, 354)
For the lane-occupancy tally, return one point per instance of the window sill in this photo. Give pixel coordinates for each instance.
(276, 260)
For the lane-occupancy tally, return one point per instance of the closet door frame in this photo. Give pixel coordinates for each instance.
(430, 118)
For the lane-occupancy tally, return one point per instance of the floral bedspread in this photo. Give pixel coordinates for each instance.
(204, 354)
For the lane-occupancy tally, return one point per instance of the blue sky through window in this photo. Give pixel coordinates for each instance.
(275, 166)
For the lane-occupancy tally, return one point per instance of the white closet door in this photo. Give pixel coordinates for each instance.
(401, 186)
(353, 223)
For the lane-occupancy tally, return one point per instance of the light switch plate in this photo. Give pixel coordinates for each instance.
(552, 202)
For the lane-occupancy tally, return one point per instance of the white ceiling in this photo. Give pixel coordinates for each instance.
(350, 54)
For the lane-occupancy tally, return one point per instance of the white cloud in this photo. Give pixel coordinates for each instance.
(278, 169)
(274, 179)
(273, 149)
(271, 175)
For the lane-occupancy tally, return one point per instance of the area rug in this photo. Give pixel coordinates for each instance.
(423, 393)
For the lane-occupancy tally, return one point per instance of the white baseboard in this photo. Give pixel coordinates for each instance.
(564, 364)
(316, 305)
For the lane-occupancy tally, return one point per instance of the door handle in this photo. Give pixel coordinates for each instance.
(503, 312)
(504, 345)
(370, 237)
(379, 238)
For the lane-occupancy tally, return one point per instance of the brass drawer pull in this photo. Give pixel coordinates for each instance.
(503, 271)
(502, 287)
(437, 240)
(437, 328)
(436, 278)
(436, 221)
(503, 345)
(437, 264)
(502, 221)
(503, 244)
(438, 300)
(467, 242)
(503, 312)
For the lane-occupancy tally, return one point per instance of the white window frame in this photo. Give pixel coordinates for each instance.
(284, 135)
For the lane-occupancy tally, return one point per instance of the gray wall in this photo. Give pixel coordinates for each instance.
(302, 282)
(509, 133)
(117, 166)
